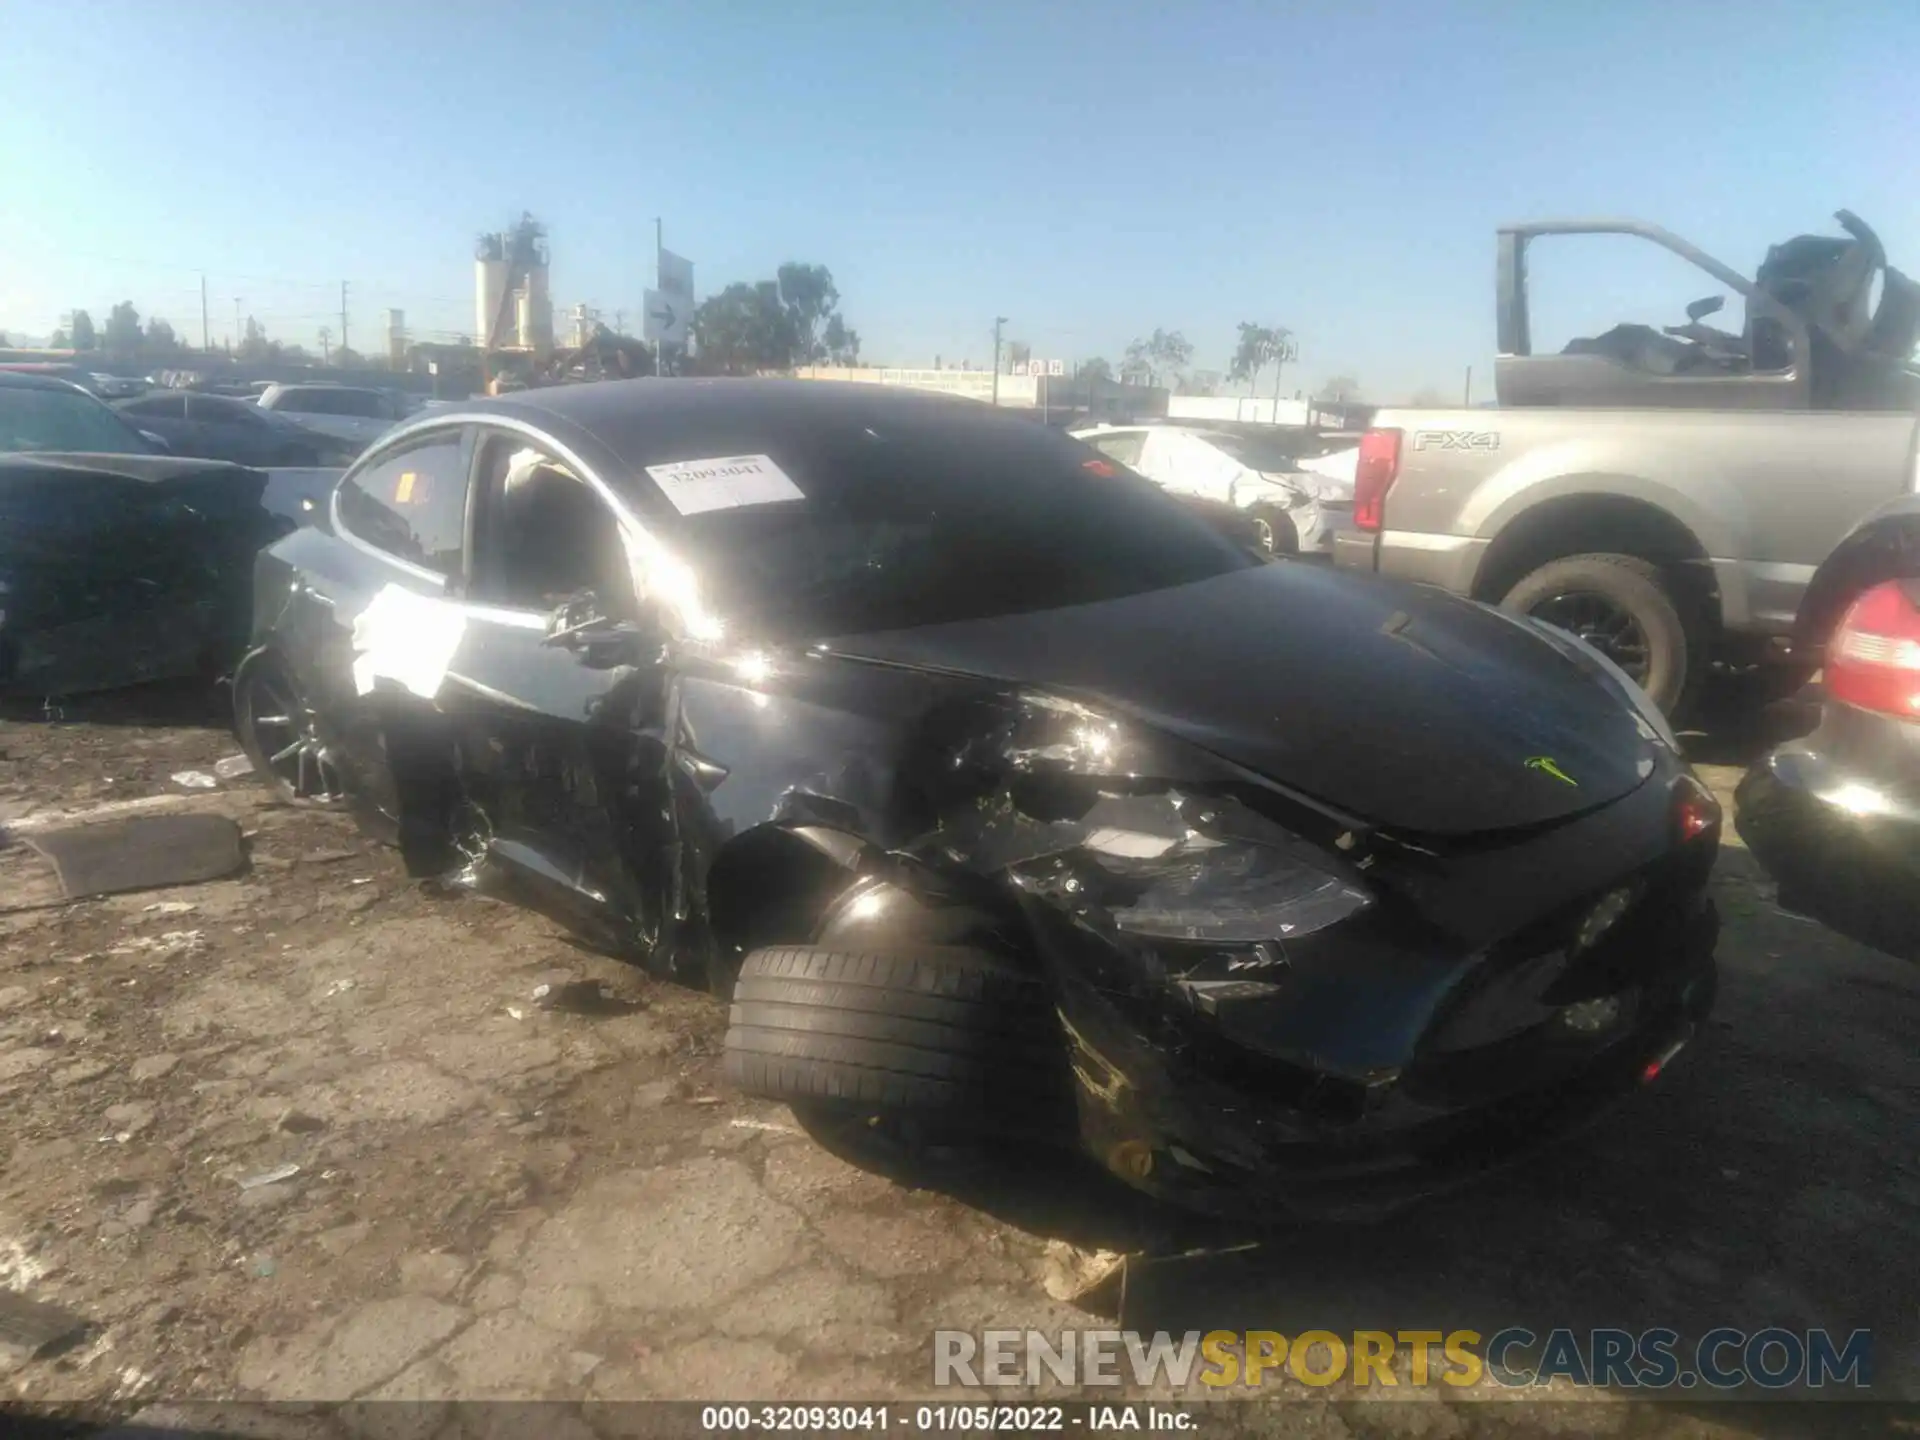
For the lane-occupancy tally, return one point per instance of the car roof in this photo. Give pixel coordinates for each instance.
(27, 380)
(148, 469)
(634, 419)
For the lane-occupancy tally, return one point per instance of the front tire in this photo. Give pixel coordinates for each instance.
(953, 1039)
(1623, 607)
(278, 731)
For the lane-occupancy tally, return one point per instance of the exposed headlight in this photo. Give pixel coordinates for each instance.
(1603, 917)
(1145, 867)
(1590, 1017)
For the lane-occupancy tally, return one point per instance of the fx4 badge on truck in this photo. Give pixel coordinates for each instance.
(1456, 439)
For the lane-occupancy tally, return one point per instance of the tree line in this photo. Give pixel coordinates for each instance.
(791, 320)
(780, 324)
(1165, 357)
(124, 338)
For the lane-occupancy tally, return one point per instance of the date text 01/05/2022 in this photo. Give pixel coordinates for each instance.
(1018, 1419)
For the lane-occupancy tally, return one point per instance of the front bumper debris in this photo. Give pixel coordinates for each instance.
(1223, 1130)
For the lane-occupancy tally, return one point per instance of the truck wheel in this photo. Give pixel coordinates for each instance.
(950, 1036)
(1620, 605)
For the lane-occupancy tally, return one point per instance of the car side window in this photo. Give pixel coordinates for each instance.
(1123, 445)
(412, 503)
(218, 413)
(161, 407)
(542, 534)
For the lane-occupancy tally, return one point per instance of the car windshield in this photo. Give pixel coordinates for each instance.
(1257, 452)
(33, 420)
(935, 523)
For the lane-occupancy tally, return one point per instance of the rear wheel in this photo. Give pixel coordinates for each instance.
(1622, 606)
(1275, 530)
(901, 1047)
(278, 731)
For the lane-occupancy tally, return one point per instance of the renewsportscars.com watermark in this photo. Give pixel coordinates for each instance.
(1770, 1359)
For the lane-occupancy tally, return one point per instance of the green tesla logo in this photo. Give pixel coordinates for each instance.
(1547, 765)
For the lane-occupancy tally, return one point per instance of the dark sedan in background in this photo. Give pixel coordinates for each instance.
(120, 564)
(996, 790)
(45, 413)
(1834, 815)
(221, 427)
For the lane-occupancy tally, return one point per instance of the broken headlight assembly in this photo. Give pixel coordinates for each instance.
(1140, 838)
(1199, 871)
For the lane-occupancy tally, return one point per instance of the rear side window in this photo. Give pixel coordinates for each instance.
(1123, 445)
(159, 407)
(412, 503)
(214, 411)
(360, 404)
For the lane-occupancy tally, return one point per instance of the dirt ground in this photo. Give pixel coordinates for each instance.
(498, 1199)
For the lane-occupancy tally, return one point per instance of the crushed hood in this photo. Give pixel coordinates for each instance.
(1412, 709)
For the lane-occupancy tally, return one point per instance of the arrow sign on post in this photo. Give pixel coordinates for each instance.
(666, 319)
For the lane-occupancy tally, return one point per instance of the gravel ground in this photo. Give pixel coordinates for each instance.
(498, 1200)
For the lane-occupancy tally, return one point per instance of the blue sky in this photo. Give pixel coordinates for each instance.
(1090, 170)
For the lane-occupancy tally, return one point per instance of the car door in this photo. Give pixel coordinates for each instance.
(1164, 459)
(1210, 471)
(364, 616)
(561, 753)
(165, 416)
(221, 431)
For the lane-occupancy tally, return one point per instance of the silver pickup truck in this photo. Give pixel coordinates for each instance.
(1667, 496)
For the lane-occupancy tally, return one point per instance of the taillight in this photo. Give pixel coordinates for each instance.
(1873, 660)
(1377, 468)
(1695, 811)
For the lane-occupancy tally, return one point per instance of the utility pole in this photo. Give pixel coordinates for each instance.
(619, 322)
(326, 352)
(237, 303)
(206, 340)
(1466, 398)
(998, 322)
(343, 315)
(662, 364)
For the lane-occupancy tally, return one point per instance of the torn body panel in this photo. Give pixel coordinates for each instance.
(121, 569)
(1295, 1018)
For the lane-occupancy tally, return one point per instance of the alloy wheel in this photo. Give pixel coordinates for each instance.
(282, 730)
(1602, 623)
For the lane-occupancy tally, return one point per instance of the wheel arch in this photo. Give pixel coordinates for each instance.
(1582, 524)
(784, 884)
(1882, 549)
(771, 884)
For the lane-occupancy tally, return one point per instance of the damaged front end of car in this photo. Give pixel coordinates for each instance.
(1258, 1008)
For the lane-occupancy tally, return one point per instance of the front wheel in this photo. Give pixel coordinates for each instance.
(279, 733)
(911, 1045)
(1623, 607)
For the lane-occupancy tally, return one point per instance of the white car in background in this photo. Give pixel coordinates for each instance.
(1296, 506)
(349, 412)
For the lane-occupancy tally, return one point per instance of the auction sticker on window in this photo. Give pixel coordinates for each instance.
(729, 483)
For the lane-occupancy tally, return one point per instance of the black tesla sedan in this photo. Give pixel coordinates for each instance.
(222, 427)
(996, 790)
